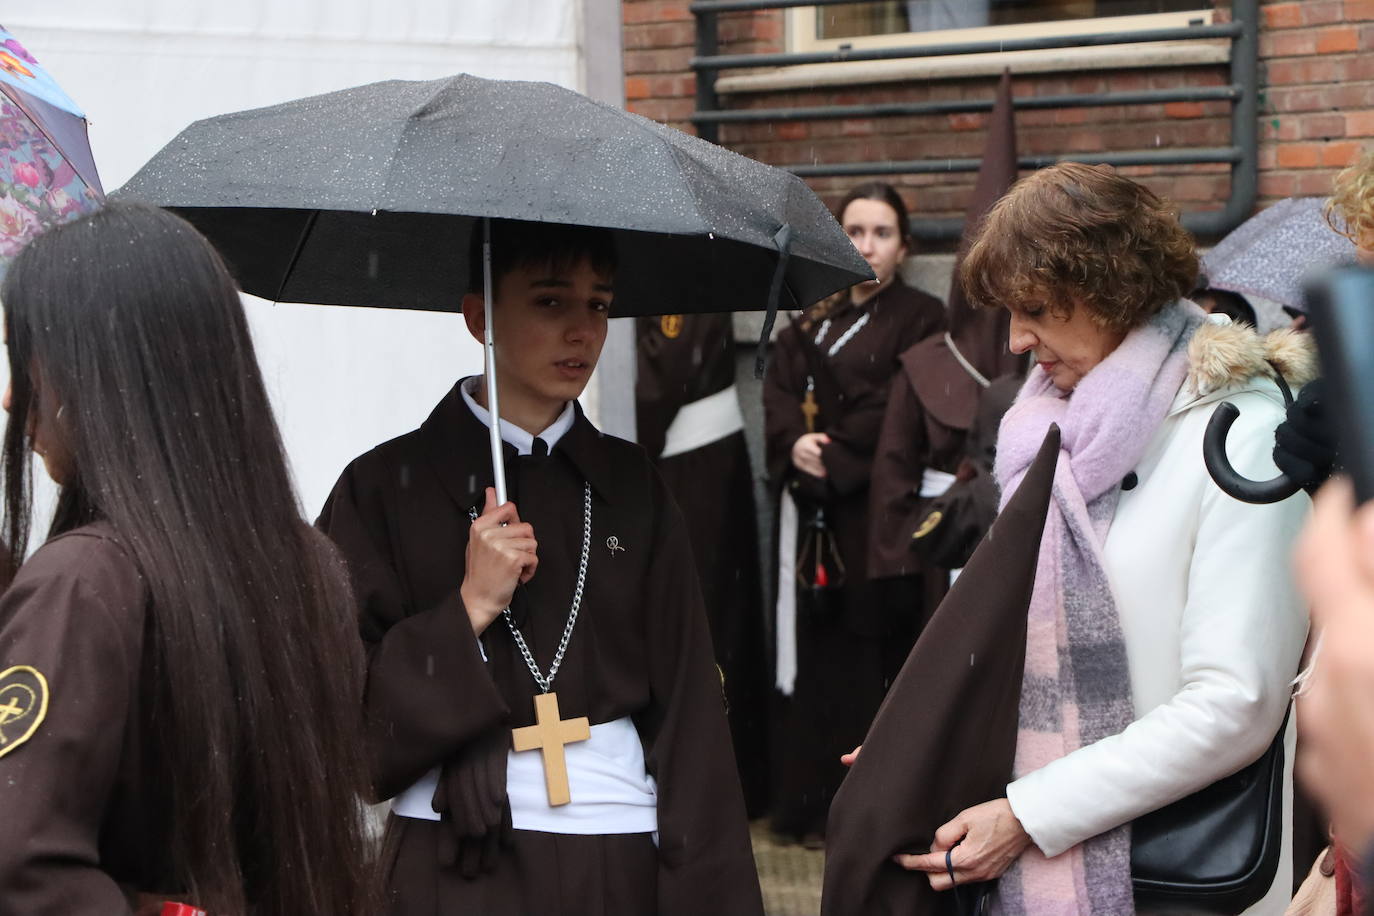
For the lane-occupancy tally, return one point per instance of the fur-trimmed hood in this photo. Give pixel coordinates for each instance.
(1224, 357)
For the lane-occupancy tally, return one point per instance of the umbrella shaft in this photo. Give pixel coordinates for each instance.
(498, 464)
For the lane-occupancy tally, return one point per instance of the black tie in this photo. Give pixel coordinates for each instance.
(539, 449)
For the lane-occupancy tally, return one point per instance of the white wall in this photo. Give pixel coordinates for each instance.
(342, 380)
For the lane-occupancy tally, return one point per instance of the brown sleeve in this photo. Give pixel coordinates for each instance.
(783, 390)
(929, 318)
(854, 437)
(672, 372)
(706, 864)
(74, 613)
(660, 391)
(848, 458)
(428, 690)
(894, 499)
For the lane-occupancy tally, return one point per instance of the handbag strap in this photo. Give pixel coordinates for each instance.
(971, 900)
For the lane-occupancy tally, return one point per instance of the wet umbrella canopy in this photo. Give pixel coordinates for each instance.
(1271, 254)
(369, 197)
(47, 174)
(349, 198)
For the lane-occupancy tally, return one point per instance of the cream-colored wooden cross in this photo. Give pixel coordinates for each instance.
(809, 409)
(549, 734)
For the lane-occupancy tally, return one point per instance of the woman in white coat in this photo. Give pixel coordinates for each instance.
(1164, 629)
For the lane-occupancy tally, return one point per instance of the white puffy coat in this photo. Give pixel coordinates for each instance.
(1212, 623)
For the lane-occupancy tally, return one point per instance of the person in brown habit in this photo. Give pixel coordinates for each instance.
(179, 668)
(929, 490)
(824, 399)
(688, 419)
(544, 709)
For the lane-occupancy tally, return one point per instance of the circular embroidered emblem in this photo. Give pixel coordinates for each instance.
(671, 326)
(23, 705)
(927, 526)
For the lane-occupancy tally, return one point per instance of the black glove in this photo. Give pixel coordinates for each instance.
(1305, 443)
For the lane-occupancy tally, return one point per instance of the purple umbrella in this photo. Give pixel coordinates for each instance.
(47, 173)
(1270, 254)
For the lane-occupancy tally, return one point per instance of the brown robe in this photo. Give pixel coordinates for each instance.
(84, 812)
(81, 825)
(682, 359)
(935, 400)
(945, 737)
(930, 409)
(919, 431)
(640, 648)
(955, 522)
(846, 655)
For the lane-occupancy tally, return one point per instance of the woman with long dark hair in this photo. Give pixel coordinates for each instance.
(181, 674)
(840, 633)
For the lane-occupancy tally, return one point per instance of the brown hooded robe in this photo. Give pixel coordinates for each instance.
(844, 643)
(934, 400)
(682, 359)
(945, 738)
(640, 648)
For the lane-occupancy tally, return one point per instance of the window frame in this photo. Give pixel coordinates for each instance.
(801, 30)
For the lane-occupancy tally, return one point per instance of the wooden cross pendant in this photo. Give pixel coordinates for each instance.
(549, 734)
(809, 409)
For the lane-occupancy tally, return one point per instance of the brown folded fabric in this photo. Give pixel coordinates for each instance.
(945, 736)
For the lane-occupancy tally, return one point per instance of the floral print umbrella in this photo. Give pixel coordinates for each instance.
(47, 173)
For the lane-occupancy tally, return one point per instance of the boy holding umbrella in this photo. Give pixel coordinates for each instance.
(543, 706)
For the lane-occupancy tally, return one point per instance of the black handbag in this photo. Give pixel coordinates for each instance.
(1216, 851)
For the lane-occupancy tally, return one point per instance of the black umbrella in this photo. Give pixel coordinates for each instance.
(369, 196)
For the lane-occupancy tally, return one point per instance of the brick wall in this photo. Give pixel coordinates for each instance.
(1316, 107)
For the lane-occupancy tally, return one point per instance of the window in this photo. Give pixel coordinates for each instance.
(894, 22)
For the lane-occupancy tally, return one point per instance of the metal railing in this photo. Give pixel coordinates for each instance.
(1242, 92)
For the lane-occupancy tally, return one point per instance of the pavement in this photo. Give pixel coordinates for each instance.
(790, 875)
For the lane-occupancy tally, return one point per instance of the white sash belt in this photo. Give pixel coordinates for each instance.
(936, 483)
(702, 422)
(418, 800)
(611, 792)
(786, 607)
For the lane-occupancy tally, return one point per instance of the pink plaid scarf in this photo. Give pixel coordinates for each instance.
(1076, 688)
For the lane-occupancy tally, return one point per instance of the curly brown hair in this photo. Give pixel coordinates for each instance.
(1076, 234)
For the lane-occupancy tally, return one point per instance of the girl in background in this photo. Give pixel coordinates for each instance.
(839, 635)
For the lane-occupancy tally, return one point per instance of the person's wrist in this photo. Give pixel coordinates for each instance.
(480, 613)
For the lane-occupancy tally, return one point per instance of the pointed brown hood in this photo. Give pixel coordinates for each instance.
(981, 334)
(945, 737)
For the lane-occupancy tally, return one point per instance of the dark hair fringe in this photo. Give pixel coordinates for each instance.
(130, 321)
(517, 244)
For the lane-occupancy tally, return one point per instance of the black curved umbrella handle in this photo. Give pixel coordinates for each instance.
(1228, 479)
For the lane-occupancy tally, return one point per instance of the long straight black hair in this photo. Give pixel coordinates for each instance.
(128, 319)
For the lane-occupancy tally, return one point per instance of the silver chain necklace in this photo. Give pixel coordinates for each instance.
(546, 682)
(848, 335)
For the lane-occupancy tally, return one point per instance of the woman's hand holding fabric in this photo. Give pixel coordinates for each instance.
(501, 554)
(986, 839)
(1335, 565)
(806, 453)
